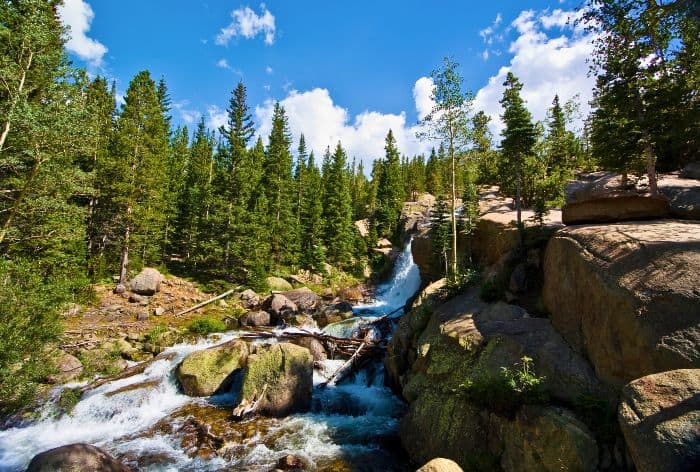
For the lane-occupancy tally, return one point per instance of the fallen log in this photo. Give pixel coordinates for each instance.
(128, 372)
(344, 369)
(207, 302)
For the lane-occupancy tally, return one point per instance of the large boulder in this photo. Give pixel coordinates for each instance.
(279, 306)
(255, 318)
(625, 295)
(683, 196)
(278, 284)
(249, 299)
(549, 439)
(615, 208)
(205, 372)
(660, 418)
(333, 313)
(280, 378)
(440, 465)
(75, 458)
(147, 282)
(304, 298)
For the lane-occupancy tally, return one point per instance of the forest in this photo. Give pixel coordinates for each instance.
(92, 191)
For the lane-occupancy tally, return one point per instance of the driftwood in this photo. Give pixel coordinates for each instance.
(128, 372)
(207, 302)
(249, 407)
(344, 369)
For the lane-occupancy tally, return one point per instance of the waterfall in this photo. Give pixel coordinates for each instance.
(353, 421)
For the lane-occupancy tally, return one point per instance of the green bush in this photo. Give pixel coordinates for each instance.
(156, 332)
(206, 326)
(505, 391)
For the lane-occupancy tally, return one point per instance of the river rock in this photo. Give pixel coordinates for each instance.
(334, 313)
(249, 299)
(68, 367)
(315, 347)
(256, 318)
(440, 465)
(204, 372)
(304, 298)
(291, 462)
(278, 283)
(660, 418)
(351, 294)
(625, 295)
(287, 371)
(279, 306)
(75, 458)
(147, 282)
(614, 208)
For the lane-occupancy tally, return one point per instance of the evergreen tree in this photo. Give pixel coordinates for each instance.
(483, 152)
(178, 158)
(517, 143)
(279, 190)
(433, 175)
(339, 229)
(312, 227)
(390, 191)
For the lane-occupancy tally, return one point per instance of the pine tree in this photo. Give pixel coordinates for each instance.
(390, 191)
(433, 175)
(312, 227)
(338, 210)
(279, 190)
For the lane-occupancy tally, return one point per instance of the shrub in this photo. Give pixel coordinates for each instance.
(206, 326)
(156, 332)
(505, 391)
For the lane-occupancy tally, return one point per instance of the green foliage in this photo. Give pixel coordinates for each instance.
(390, 191)
(67, 400)
(156, 332)
(206, 326)
(339, 228)
(504, 392)
(466, 277)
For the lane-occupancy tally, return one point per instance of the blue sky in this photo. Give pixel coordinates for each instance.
(343, 70)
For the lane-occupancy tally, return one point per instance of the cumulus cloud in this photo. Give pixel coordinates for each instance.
(223, 63)
(248, 24)
(549, 57)
(423, 96)
(268, 70)
(216, 117)
(77, 15)
(188, 115)
(324, 123)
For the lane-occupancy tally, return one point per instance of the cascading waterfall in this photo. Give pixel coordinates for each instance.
(354, 422)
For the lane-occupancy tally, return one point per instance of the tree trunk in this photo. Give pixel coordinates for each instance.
(651, 168)
(454, 217)
(15, 100)
(125, 251)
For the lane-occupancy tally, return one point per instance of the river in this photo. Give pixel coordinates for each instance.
(351, 426)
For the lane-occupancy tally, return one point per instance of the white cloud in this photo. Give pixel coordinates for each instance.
(248, 24)
(268, 69)
(223, 63)
(485, 54)
(77, 15)
(216, 117)
(188, 115)
(423, 96)
(324, 123)
(546, 64)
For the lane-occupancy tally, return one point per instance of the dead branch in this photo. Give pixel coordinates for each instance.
(128, 372)
(207, 302)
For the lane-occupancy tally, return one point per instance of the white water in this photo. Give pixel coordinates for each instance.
(347, 421)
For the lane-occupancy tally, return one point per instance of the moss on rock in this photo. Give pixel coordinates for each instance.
(204, 372)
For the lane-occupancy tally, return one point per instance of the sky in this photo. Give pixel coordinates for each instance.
(345, 71)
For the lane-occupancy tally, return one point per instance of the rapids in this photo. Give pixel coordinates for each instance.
(147, 422)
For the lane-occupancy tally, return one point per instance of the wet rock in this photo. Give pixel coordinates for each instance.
(255, 318)
(68, 367)
(279, 306)
(278, 283)
(291, 462)
(440, 465)
(281, 377)
(147, 282)
(660, 418)
(204, 372)
(304, 298)
(334, 313)
(75, 458)
(315, 347)
(625, 295)
(249, 299)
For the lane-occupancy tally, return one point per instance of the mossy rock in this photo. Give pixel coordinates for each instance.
(284, 372)
(205, 372)
(278, 283)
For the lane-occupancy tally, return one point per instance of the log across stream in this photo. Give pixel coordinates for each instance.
(144, 420)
